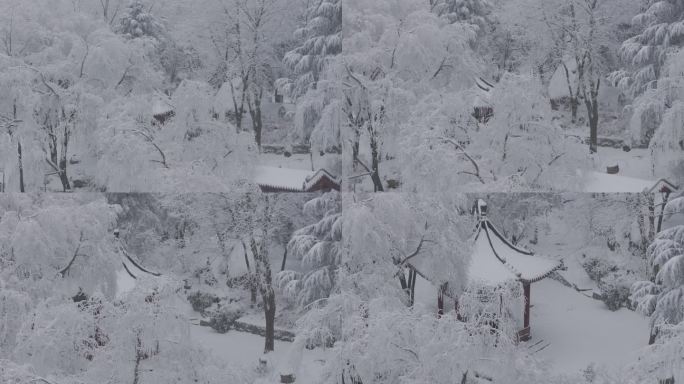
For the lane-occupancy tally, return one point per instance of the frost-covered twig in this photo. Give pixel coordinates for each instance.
(151, 141)
(64, 271)
(464, 153)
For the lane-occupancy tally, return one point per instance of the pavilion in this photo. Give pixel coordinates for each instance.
(496, 262)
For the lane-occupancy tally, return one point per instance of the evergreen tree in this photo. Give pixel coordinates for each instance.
(660, 29)
(137, 21)
(662, 298)
(321, 38)
(317, 246)
(473, 12)
(314, 81)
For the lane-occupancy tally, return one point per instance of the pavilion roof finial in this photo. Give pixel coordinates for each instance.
(480, 209)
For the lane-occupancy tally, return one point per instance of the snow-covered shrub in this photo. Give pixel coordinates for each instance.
(598, 268)
(615, 295)
(221, 320)
(200, 301)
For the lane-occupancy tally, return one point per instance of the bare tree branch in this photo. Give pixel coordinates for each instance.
(65, 271)
(150, 140)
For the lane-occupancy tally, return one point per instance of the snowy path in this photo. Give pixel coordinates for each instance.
(582, 330)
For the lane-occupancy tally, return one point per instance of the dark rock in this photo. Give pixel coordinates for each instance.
(393, 184)
(80, 296)
(79, 183)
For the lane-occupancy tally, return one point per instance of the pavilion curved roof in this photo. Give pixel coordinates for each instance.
(496, 260)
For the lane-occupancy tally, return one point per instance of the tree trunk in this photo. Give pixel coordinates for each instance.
(573, 108)
(652, 335)
(282, 267)
(662, 211)
(63, 161)
(412, 278)
(375, 166)
(262, 269)
(255, 113)
(269, 312)
(21, 167)
(591, 102)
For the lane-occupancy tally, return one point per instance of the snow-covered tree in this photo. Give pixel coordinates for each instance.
(649, 78)
(138, 21)
(52, 242)
(658, 114)
(314, 83)
(662, 298)
(659, 31)
(319, 38)
(411, 57)
(318, 248)
(474, 12)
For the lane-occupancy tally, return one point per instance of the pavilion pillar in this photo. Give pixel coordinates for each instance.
(526, 317)
(440, 301)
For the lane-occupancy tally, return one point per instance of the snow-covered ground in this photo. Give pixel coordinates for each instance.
(635, 163)
(607, 183)
(582, 330)
(635, 173)
(245, 349)
(296, 161)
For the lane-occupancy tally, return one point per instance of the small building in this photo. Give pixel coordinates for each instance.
(482, 106)
(274, 179)
(496, 260)
(498, 264)
(162, 111)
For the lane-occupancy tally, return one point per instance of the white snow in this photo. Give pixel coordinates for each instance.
(124, 283)
(582, 330)
(239, 348)
(603, 182)
(486, 267)
(530, 267)
(558, 85)
(161, 107)
(286, 178)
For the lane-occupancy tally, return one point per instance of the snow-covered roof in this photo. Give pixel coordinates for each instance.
(608, 183)
(558, 85)
(288, 179)
(482, 93)
(161, 107)
(495, 260)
